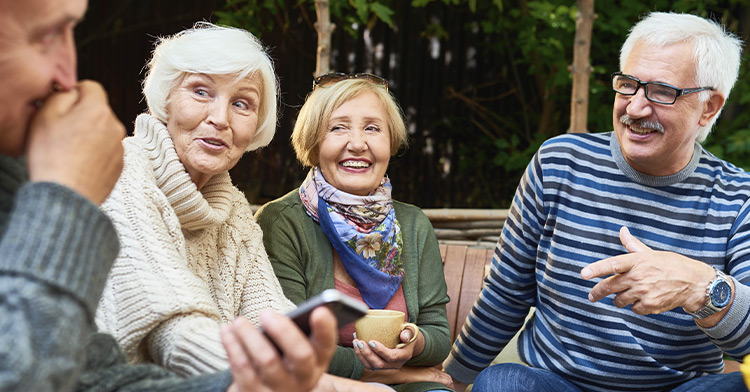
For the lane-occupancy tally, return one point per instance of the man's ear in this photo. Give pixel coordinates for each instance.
(711, 108)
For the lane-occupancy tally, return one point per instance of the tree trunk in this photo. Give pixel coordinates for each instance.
(324, 27)
(581, 67)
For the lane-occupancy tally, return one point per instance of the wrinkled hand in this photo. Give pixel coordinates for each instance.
(256, 365)
(375, 356)
(408, 374)
(76, 140)
(651, 281)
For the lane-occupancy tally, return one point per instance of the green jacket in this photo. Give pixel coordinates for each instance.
(302, 258)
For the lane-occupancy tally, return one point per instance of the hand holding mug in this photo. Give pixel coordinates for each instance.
(385, 341)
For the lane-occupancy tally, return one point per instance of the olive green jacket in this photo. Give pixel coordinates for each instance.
(302, 258)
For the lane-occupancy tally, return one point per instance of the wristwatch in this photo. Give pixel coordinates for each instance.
(718, 295)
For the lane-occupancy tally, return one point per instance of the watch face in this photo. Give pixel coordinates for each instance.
(721, 294)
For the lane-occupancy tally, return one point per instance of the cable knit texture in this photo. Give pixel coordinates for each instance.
(190, 261)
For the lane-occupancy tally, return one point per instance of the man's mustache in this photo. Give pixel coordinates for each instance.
(643, 124)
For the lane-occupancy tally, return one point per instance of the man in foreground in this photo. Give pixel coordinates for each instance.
(632, 245)
(57, 247)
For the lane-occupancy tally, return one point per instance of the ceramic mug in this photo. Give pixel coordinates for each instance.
(385, 326)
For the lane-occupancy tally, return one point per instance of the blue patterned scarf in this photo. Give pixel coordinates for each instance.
(364, 232)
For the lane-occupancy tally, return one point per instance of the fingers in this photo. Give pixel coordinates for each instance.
(363, 353)
(298, 355)
(256, 364)
(324, 333)
(240, 363)
(631, 243)
(60, 102)
(76, 140)
(375, 356)
(405, 336)
(612, 285)
(613, 265)
(617, 265)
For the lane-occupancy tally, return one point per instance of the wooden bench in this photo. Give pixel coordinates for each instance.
(464, 267)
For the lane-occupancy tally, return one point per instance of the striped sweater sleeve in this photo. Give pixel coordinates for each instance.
(509, 289)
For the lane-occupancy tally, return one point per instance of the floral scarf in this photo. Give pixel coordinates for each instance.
(364, 232)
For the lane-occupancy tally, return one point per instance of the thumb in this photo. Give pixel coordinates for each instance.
(324, 332)
(632, 244)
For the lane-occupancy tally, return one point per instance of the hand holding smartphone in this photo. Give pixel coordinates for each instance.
(345, 308)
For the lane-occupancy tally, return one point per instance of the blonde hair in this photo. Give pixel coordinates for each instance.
(212, 50)
(312, 122)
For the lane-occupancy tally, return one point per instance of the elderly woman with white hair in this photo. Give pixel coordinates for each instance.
(192, 256)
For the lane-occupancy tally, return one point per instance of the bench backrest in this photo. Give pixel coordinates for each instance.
(464, 268)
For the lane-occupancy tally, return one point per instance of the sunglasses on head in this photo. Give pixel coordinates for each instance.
(335, 77)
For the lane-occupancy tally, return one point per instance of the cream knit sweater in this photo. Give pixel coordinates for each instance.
(190, 260)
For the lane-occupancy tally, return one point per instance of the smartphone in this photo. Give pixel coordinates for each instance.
(345, 308)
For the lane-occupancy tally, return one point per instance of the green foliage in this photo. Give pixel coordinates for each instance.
(529, 98)
(256, 16)
(513, 155)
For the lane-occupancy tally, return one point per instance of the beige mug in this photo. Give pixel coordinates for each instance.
(385, 326)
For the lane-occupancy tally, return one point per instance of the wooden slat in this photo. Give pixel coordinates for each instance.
(471, 285)
(454, 214)
(453, 268)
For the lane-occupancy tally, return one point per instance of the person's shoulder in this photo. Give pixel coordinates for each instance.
(135, 152)
(716, 167)
(284, 204)
(579, 140)
(410, 212)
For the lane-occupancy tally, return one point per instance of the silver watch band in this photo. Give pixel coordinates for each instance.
(710, 308)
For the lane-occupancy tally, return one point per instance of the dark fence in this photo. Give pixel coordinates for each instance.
(451, 91)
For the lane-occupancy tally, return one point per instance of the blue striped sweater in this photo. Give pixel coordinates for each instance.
(575, 195)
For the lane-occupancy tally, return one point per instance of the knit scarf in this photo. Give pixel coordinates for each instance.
(364, 232)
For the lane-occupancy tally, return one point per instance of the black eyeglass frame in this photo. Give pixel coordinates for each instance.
(335, 77)
(678, 91)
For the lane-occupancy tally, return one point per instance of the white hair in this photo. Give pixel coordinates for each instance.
(213, 50)
(716, 52)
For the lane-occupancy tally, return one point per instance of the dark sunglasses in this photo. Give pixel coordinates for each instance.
(335, 77)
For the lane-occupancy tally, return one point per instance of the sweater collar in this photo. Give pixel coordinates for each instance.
(648, 180)
(195, 209)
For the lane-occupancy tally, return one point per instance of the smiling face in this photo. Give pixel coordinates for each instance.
(355, 151)
(37, 51)
(212, 120)
(646, 149)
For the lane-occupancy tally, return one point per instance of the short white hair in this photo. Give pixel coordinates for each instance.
(214, 50)
(716, 52)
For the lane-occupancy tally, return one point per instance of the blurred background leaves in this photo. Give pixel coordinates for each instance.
(482, 82)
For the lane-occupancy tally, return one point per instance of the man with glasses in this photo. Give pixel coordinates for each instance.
(633, 245)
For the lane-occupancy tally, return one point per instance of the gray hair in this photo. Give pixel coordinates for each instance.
(213, 50)
(716, 52)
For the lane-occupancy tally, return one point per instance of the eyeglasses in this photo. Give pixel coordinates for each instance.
(655, 91)
(335, 77)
